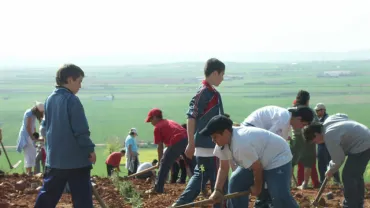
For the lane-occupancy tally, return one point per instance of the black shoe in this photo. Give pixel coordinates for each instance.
(263, 204)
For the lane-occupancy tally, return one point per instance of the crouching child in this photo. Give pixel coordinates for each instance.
(148, 176)
(259, 154)
(344, 137)
(174, 136)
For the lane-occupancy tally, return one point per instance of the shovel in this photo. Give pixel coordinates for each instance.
(210, 201)
(6, 155)
(97, 196)
(317, 198)
(141, 172)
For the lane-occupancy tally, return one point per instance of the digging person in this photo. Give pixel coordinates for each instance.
(148, 176)
(260, 155)
(26, 139)
(171, 134)
(323, 156)
(279, 121)
(344, 137)
(304, 154)
(114, 160)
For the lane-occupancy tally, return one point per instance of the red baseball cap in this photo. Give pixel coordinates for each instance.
(153, 112)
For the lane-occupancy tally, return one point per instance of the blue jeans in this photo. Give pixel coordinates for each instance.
(323, 159)
(198, 181)
(278, 182)
(353, 179)
(168, 159)
(55, 181)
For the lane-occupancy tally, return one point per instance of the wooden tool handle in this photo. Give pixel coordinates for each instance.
(6, 155)
(141, 172)
(210, 201)
(97, 196)
(317, 198)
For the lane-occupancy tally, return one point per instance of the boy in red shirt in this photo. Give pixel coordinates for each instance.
(174, 136)
(114, 160)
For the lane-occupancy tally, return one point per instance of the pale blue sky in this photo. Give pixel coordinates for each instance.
(47, 32)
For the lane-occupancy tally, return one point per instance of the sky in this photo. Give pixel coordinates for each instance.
(49, 32)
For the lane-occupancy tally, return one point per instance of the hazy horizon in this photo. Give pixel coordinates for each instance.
(44, 33)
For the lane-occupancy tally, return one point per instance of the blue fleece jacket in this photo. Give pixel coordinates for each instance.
(206, 104)
(68, 142)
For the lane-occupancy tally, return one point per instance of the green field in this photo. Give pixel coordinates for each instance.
(146, 155)
(137, 89)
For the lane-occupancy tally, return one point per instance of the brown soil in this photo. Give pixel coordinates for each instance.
(112, 198)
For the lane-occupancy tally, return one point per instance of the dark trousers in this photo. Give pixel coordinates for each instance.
(176, 169)
(353, 179)
(145, 175)
(109, 169)
(55, 181)
(168, 158)
(198, 181)
(136, 164)
(324, 158)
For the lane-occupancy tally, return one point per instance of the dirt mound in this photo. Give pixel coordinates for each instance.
(21, 191)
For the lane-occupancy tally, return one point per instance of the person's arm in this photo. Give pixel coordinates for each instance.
(196, 109)
(191, 131)
(223, 172)
(29, 128)
(130, 150)
(160, 151)
(79, 125)
(42, 131)
(159, 142)
(335, 150)
(119, 163)
(258, 178)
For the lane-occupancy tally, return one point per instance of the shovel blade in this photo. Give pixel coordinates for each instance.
(17, 164)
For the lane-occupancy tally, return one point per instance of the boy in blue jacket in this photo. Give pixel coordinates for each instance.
(206, 104)
(70, 151)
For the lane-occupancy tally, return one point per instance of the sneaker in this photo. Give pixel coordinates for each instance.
(303, 186)
(151, 191)
(175, 204)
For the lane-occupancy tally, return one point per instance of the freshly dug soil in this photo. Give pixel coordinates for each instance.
(25, 192)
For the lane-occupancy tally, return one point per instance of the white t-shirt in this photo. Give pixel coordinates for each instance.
(144, 166)
(251, 144)
(272, 118)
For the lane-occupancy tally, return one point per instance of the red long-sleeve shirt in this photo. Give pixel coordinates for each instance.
(114, 159)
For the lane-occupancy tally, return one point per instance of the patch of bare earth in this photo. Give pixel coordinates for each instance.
(21, 191)
(24, 194)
